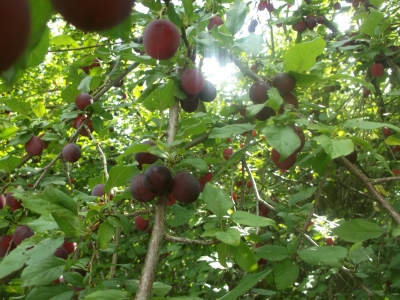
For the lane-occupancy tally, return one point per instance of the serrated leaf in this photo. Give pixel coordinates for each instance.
(19, 106)
(244, 257)
(179, 216)
(357, 230)
(275, 99)
(282, 138)
(359, 254)
(118, 175)
(197, 163)
(235, 16)
(161, 98)
(39, 110)
(54, 292)
(105, 233)
(330, 255)
(369, 24)
(246, 218)
(9, 163)
(272, 252)
(252, 45)
(230, 237)
(216, 200)
(43, 272)
(304, 194)
(302, 57)
(70, 225)
(228, 130)
(286, 273)
(335, 148)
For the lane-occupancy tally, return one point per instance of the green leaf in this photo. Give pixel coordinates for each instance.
(245, 284)
(161, 98)
(369, 24)
(52, 292)
(173, 16)
(245, 218)
(244, 257)
(252, 45)
(222, 34)
(352, 79)
(43, 224)
(230, 237)
(330, 255)
(196, 163)
(272, 252)
(43, 272)
(105, 233)
(107, 295)
(223, 252)
(286, 273)
(70, 225)
(275, 99)
(304, 194)
(64, 40)
(360, 123)
(118, 175)
(282, 138)
(293, 245)
(179, 216)
(357, 230)
(235, 16)
(20, 106)
(392, 141)
(188, 7)
(302, 57)
(36, 56)
(305, 80)
(216, 200)
(160, 289)
(359, 254)
(9, 163)
(229, 130)
(335, 148)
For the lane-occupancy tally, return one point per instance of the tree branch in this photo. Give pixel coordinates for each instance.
(182, 240)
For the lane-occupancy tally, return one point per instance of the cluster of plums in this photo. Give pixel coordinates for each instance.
(157, 180)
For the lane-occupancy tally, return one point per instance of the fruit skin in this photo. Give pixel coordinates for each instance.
(299, 132)
(208, 93)
(13, 203)
(2, 201)
(285, 164)
(171, 200)
(270, 7)
(83, 100)
(249, 184)
(34, 146)
(386, 131)
(144, 157)
(141, 224)
(95, 64)
(61, 253)
(337, 6)
(94, 15)
(69, 246)
(227, 153)
(263, 210)
(320, 19)
(78, 122)
(71, 153)
(161, 39)
(21, 233)
(329, 241)
(265, 113)
(192, 81)
(377, 70)
(5, 241)
(157, 179)
(14, 31)
(190, 106)
(138, 191)
(310, 22)
(185, 187)
(284, 82)
(300, 26)
(215, 20)
(289, 99)
(98, 191)
(352, 157)
(396, 172)
(258, 92)
(262, 5)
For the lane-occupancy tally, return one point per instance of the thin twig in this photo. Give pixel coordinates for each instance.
(115, 255)
(102, 155)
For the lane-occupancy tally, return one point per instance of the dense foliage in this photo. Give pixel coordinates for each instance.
(212, 149)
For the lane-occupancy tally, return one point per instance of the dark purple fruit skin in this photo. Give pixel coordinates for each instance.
(83, 100)
(190, 106)
(14, 31)
(284, 82)
(258, 92)
(5, 241)
(144, 157)
(71, 153)
(265, 113)
(35, 146)
(141, 224)
(209, 92)
(185, 187)
(98, 190)
(13, 203)
(61, 253)
(285, 164)
(2, 201)
(21, 233)
(352, 157)
(138, 191)
(94, 15)
(157, 179)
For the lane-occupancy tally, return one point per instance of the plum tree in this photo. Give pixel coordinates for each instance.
(171, 200)
(2, 201)
(265, 113)
(94, 15)
(263, 209)
(14, 31)
(5, 242)
(192, 81)
(329, 241)
(161, 39)
(208, 93)
(21, 233)
(69, 246)
(386, 131)
(270, 7)
(138, 191)
(227, 153)
(289, 99)
(185, 187)
(13, 203)
(299, 132)
(83, 100)
(157, 179)
(145, 158)
(258, 92)
(190, 106)
(310, 22)
(215, 20)
(320, 19)
(352, 157)
(262, 5)
(61, 253)
(141, 223)
(284, 82)
(71, 152)
(377, 70)
(78, 122)
(95, 64)
(252, 26)
(337, 6)
(286, 163)
(34, 146)
(300, 26)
